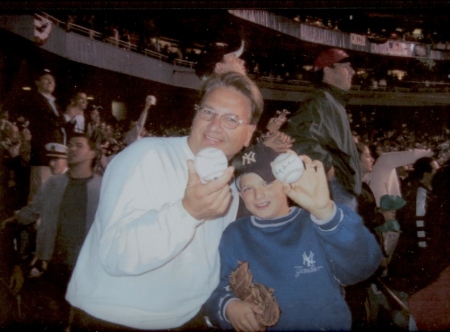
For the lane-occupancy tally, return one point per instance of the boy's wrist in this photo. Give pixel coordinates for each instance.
(326, 213)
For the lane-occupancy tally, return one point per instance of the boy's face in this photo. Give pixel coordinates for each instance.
(266, 200)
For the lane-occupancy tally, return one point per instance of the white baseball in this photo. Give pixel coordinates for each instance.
(288, 167)
(210, 163)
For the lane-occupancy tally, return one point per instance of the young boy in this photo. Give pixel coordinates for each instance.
(306, 255)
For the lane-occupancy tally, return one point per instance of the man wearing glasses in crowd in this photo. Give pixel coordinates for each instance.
(151, 258)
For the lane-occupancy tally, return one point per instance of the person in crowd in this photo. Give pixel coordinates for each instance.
(57, 162)
(11, 270)
(429, 306)
(418, 194)
(13, 160)
(66, 206)
(93, 127)
(415, 247)
(25, 228)
(137, 128)
(46, 124)
(321, 129)
(152, 253)
(108, 134)
(355, 295)
(306, 255)
(57, 158)
(367, 207)
(383, 180)
(273, 137)
(74, 113)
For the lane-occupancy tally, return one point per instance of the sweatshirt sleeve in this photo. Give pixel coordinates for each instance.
(352, 249)
(31, 212)
(402, 158)
(217, 303)
(141, 222)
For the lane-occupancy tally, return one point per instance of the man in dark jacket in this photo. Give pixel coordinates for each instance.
(321, 129)
(46, 124)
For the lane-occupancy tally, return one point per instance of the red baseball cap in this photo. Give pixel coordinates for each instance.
(329, 57)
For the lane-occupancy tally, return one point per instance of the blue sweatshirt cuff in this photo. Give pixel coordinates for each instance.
(332, 222)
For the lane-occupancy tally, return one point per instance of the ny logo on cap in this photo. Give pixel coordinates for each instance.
(248, 158)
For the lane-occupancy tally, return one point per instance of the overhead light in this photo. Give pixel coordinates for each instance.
(90, 98)
(307, 67)
(26, 88)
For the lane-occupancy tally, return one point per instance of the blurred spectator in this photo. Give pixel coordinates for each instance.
(66, 206)
(136, 129)
(273, 137)
(74, 113)
(15, 152)
(93, 127)
(429, 306)
(46, 124)
(367, 209)
(413, 253)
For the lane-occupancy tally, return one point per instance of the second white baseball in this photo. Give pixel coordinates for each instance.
(287, 167)
(210, 163)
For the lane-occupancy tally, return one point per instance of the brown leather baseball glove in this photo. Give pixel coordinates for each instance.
(243, 287)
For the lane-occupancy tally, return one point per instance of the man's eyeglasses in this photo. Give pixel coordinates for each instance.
(229, 121)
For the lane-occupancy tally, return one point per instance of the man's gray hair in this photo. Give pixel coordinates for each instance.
(241, 84)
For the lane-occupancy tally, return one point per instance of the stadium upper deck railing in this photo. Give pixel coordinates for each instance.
(263, 81)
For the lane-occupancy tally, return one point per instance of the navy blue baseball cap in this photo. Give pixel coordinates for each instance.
(255, 159)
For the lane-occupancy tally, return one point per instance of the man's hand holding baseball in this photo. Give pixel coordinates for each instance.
(207, 201)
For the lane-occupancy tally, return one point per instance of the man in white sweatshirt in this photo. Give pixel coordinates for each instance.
(151, 258)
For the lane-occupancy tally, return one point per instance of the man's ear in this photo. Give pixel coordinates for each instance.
(326, 71)
(218, 68)
(251, 130)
